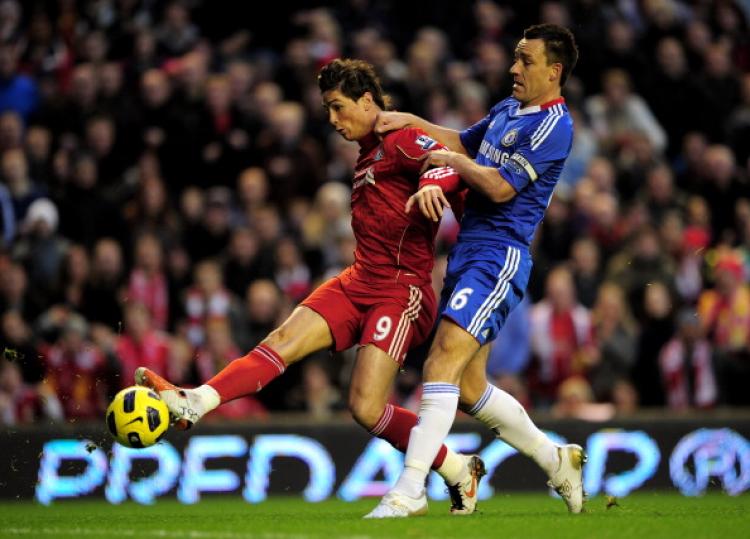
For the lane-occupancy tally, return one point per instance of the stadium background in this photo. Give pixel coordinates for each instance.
(169, 190)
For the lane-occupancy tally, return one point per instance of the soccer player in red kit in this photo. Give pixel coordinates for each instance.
(383, 302)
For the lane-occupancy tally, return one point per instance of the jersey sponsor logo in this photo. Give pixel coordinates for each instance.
(510, 137)
(495, 155)
(519, 161)
(363, 177)
(425, 142)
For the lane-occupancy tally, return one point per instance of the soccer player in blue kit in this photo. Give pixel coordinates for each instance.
(511, 161)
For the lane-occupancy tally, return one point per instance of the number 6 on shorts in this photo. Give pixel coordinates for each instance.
(460, 299)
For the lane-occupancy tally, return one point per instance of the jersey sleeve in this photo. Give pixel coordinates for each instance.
(409, 145)
(472, 136)
(545, 144)
(445, 177)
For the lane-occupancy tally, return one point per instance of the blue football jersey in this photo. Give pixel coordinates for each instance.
(529, 147)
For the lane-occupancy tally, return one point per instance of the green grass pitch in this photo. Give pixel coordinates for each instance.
(641, 516)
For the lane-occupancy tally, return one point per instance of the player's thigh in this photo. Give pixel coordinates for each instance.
(371, 384)
(474, 378)
(400, 320)
(331, 303)
(303, 333)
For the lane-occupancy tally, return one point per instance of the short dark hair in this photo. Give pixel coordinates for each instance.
(352, 78)
(559, 46)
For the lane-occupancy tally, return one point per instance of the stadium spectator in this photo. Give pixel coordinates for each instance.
(40, 248)
(75, 272)
(617, 115)
(206, 300)
(210, 236)
(244, 263)
(23, 189)
(18, 92)
(140, 343)
(724, 313)
(642, 263)
(21, 403)
(76, 370)
(252, 191)
(18, 346)
(147, 284)
(15, 292)
(686, 365)
(103, 291)
(561, 336)
(585, 264)
(613, 355)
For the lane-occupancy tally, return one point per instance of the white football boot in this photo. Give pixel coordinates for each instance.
(185, 408)
(397, 505)
(464, 494)
(568, 479)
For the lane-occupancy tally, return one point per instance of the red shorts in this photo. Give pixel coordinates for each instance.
(393, 317)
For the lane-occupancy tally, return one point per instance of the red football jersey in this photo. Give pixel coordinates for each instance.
(391, 244)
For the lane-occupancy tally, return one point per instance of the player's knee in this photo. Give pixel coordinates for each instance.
(364, 412)
(277, 337)
(283, 342)
(442, 367)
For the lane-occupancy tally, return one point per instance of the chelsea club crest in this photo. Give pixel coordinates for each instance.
(510, 137)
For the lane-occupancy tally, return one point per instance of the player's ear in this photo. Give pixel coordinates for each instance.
(367, 100)
(555, 72)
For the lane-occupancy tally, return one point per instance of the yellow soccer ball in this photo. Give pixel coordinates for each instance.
(137, 417)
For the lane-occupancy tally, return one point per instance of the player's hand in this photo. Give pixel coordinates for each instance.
(391, 121)
(431, 201)
(438, 158)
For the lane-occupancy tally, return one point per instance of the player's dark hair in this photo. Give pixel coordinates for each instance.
(352, 78)
(559, 46)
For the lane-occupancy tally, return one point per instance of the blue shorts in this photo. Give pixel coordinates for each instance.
(483, 283)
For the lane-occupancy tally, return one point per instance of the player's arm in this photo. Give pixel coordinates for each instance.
(409, 146)
(487, 181)
(435, 187)
(391, 121)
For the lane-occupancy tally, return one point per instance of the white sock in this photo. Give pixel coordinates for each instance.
(436, 414)
(510, 422)
(453, 469)
(208, 397)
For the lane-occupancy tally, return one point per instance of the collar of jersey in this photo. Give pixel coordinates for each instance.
(369, 142)
(537, 108)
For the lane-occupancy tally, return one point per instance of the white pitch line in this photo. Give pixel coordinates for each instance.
(179, 534)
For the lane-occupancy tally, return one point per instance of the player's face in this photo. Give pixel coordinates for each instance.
(353, 120)
(534, 80)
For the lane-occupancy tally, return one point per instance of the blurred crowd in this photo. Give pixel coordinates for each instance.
(170, 190)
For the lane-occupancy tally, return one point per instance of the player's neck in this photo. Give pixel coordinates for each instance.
(370, 140)
(542, 99)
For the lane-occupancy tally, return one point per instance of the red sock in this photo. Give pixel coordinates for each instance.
(247, 374)
(394, 426)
